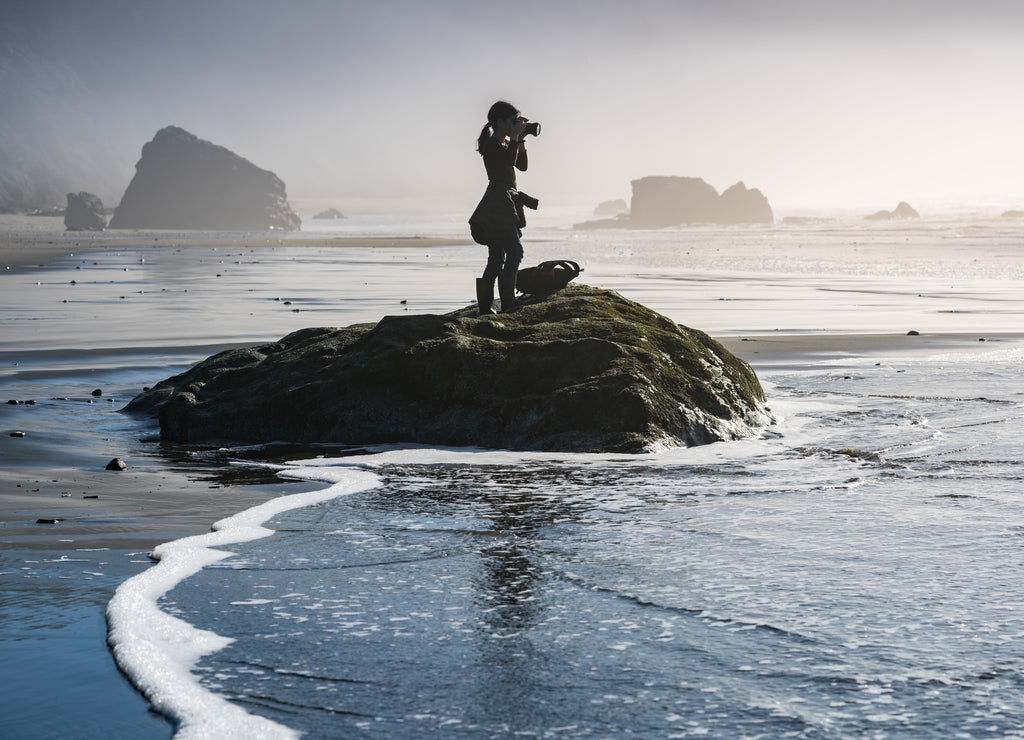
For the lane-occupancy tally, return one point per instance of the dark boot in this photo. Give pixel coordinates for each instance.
(507, 293)
(485, 296)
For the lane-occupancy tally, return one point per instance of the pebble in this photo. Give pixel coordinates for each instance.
(98, 392)
(117, 464)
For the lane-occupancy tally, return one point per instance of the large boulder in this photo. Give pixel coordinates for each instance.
(583, 370)
(84, 213)
(184, 182)
(660, 201)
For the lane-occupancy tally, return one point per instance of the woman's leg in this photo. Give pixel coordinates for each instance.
(485, 284)
(495, 259)
(513, 249)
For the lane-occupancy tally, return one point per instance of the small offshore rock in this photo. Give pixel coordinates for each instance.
(117, 464)
(98, 392)
(17, 434)
(47, 521)
(913, 333)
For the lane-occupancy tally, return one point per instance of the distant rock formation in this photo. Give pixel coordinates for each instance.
(84, 213)
(902, 211)
(741, 205)
(672, 201)
(611, 208)
(330, 213)
(584, 370)
(184, 182)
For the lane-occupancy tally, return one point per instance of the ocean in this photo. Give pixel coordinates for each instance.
(852, 571)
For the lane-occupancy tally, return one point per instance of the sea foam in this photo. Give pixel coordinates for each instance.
(157, 650)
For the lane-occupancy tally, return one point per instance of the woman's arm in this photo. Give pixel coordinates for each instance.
(520, 160)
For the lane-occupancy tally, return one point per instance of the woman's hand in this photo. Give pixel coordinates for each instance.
(516, 128)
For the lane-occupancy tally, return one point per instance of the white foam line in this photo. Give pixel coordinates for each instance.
(157, 651)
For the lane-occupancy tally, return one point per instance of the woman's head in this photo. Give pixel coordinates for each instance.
(501, 111)
(497, 118)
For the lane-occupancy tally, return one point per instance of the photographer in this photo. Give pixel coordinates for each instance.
(498, 220)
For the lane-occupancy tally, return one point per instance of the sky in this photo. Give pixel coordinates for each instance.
(377, 105)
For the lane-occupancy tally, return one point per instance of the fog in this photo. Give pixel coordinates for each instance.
(377, 105)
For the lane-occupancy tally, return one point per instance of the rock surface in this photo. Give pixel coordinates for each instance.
(84, 213)
(584, 370)
(902, 211)
(673, 201)
(184, 182)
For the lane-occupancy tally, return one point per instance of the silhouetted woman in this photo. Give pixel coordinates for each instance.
(498, 220)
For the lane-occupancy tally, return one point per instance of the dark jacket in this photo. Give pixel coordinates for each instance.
(501, 208)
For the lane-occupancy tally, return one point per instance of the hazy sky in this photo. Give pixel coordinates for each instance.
(820, 104)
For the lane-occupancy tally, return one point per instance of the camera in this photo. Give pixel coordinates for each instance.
(532, 127)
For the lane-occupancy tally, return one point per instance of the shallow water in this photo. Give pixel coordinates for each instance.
(851, 575)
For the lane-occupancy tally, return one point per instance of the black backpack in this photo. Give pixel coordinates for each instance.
(547, 277)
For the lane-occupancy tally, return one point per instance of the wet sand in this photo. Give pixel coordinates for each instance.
(31, 248)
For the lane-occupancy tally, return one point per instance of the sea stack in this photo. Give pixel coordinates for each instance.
(902, 211)
(84, 213)
(184, 182)
(660, 201)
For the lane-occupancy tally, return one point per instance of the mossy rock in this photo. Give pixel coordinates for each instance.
(584, 370)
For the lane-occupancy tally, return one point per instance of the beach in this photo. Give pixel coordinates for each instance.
(89, 319)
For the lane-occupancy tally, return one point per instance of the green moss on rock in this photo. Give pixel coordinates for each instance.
(584, 370)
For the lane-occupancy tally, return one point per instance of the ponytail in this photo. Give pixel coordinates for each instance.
(484, 134)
